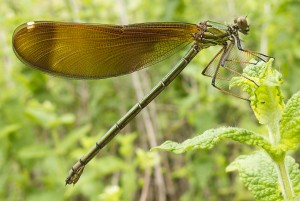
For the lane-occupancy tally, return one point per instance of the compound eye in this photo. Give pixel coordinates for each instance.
(242, 23)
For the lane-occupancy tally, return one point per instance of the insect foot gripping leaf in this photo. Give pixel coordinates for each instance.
(269, 174)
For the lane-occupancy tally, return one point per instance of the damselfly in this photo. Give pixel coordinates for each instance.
(92, 51)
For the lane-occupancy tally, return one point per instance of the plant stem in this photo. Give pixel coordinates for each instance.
(280, 166)
(282, 172)
(284, 180)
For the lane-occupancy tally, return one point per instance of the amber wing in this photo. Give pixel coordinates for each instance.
(89, 51)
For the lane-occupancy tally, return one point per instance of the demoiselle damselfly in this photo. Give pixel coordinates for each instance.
(92, 51)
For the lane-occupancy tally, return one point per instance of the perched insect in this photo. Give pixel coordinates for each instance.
(91, 51)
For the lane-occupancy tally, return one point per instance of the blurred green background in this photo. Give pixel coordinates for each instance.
(47, 123)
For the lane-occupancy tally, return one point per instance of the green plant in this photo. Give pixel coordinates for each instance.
(269, 173)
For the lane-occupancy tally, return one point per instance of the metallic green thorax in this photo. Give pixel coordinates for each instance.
(212, 34)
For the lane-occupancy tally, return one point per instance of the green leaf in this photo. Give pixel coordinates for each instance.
(267, 104)
(294, 173)
(263, 87)
(211, 137)
(126, 144)
(9, 129)
(146, 159)
(34, 151)
(290, 124)
(72, 138)
(258, 173)
(44, 114)
(111, 193)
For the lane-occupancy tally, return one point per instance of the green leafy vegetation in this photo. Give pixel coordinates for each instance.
(47, 123)
(269, 174)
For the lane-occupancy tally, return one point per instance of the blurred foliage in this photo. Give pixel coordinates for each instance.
(47, 123)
